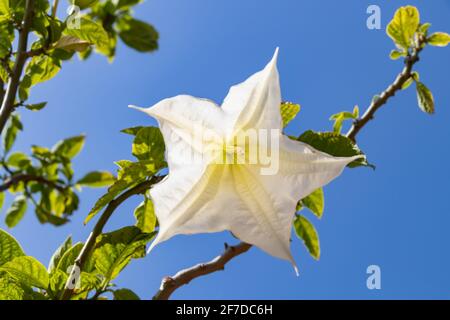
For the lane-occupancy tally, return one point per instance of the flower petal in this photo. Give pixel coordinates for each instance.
(255, 103)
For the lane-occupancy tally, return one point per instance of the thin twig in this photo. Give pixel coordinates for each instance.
(54, 7)
(397, 85)
(98, 228)
(8, 102)
(170, 284)
(13, 180)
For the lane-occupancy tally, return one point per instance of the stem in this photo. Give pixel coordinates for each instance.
(376, 104)
(54, 7)
(8, 102)
(98, 228)
(28, 178)
(170, 284)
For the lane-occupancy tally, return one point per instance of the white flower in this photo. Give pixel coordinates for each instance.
(200, 194)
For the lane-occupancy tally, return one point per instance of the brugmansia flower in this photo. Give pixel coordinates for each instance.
(219, 177)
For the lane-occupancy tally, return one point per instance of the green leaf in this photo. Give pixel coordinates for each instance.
(57, 282)
(125, 294)
(439, 39)
(27, 270)
(16, 212)
(18, 160)
(424, 98)
(114, 250)
(149, 145)
(68, 258)
(69, 147)
(6, 38)
(97, 179)
(83, 4)
(9, 248)
(58, 254)
(131, 174)
(340, 117)
(11, 289)
(2, 199)
(145, 216)
(89, 31)
(71, 43)
(13, 126)
(138, 34)
(122, 4)
(4, 7)
(403, 26)
(288, 112)
(414, 77)
(132, 131)
(315, 202)
(334, 144)
(36, 106)
(394, 55)
(423, 28)
(41, 68)
(306, 231)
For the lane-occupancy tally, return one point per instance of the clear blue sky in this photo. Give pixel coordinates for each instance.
(397, 217)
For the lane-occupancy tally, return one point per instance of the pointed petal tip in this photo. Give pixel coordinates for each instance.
(131, 106)
(297, 273)
(275, 57)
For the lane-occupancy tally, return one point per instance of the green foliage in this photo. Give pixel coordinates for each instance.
(410, 35)
(39, 69)
(403, 27)
(149, 145)
(424, 98)
(439, 39)
(314, 202)
(306, 231)
(414, 77)
(9, 248)
(145, 216)
(115, 250)
(340, 117)
(12, 128)
(288, 112)
(395, 54)
(28, 271)
(36, 106)
(334, 144)
(125, 294)
(137, 34)
(128, 176)
(89, 31)
(70, 147)
(96, 179)
(16, 212)
(58, 254)
(71, 43)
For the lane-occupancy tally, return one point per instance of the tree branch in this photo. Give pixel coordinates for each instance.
(8, 102)
(170, 284)
(13, 180)
(376, 104)
(98, 229)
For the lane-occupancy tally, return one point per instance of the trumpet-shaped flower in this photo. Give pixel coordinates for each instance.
(231, 168)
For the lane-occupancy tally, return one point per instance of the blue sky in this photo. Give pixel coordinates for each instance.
(397, 216)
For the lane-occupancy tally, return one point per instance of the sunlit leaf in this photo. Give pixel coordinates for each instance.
(27, 270)
(306, 231)
(425, 98)
(403, 26)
